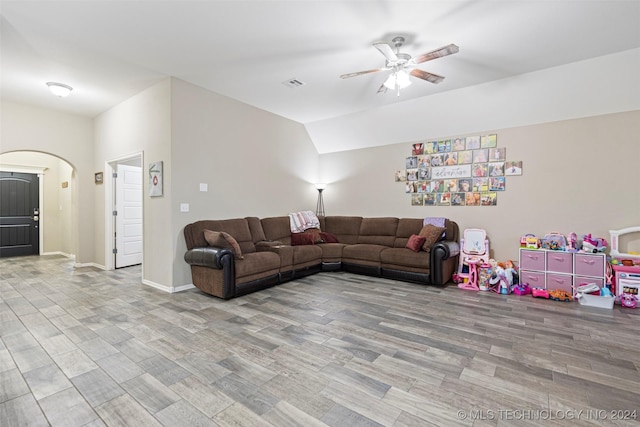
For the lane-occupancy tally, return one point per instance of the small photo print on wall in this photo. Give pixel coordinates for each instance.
(437, 160)
(489, 199)
(472, 199)
(412, 174)
(410, 187)
(444, 146)
(411, 162)
(497, 154)
(443, 199)
(488, 141)
(431, 147)
(464, 185)
(473, 142)
(451, 159)
(424, 161)
(458, 199)
(480, 170)
(513, 168)
(430, 199)
(417, 200)
(424, 173)
(458, 144)
(480, 156)
(496, 183)
(465, 157)
(401, 175)
(496, 169)
(480, 184)
(417, 149)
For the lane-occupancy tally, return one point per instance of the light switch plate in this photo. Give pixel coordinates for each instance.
(204, 186)
(184, 207)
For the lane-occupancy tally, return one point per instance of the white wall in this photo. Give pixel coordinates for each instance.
(579, 175)
(69, 137)
(254, 163)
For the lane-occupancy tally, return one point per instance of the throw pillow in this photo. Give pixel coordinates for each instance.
(432, 234)
(315, 232)
(328, 237)
(221, 239)
(415, 242)
(298, 239)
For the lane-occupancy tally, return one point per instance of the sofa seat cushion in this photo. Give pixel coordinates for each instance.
(332, 252)
(306, 255)
(364, 254)
(257, 263)
(403, 257)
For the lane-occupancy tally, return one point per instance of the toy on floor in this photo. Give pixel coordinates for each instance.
(498, 281)
(539, 293)
(560, 295)
(521, 289)
(474, 248)
(471, 284)
(628, 300)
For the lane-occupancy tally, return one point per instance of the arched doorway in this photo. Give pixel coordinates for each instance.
(56, 209)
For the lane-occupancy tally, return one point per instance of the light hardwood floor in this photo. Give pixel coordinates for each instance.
(89, 347)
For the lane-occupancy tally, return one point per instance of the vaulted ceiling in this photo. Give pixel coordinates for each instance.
(246, 49)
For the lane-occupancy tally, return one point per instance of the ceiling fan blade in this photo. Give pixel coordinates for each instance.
(359, 73)
(424, 75)
(386, 50)
(438, 53)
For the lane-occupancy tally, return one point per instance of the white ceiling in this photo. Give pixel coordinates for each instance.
(245, 49)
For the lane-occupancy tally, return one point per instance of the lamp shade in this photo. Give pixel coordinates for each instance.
(59, 89)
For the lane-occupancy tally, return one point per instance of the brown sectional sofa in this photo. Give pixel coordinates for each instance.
(371, 246)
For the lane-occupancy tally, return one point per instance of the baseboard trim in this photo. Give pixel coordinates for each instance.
(168, 289)
(89, 264)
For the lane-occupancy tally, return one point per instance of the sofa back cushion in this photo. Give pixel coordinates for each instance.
(238, 228)
(378, 231)
(406, 227)
(277, 228)
(345, 228)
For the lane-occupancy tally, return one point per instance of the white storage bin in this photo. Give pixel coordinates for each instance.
(595, 300)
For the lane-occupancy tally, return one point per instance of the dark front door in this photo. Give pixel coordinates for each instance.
(19, 214)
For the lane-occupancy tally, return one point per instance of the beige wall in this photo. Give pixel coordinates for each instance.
(579, 175)
(254, 163)
(69, 137)
(140, 124)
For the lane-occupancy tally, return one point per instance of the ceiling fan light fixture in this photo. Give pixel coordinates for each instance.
(59, 89)
(399, 79)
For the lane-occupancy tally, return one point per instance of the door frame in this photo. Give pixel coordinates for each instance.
(110, 167)
(41, 173)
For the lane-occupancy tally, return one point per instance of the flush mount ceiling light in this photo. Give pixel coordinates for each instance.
(59, 89)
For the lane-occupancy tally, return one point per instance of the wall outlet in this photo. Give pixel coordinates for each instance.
(184, 207)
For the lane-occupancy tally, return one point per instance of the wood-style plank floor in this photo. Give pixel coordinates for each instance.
(85, 347)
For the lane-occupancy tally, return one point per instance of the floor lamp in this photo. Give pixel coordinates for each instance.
(320, 205)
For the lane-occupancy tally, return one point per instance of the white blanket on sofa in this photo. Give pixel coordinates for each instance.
(303, 220)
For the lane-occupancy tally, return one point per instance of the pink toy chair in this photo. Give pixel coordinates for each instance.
(474, 249)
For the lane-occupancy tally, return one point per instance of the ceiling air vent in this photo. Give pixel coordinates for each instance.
(293, 83)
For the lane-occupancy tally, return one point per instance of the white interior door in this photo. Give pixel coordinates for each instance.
(129, 216)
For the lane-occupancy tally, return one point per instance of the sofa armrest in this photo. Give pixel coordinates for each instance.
(209, 256)
(440, 252)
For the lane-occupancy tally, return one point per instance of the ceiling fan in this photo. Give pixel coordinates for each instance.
(403, 65)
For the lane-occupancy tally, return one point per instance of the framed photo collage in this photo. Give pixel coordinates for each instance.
(464, 171)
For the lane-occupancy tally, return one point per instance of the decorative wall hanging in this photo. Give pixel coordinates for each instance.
(463, 171)
(155, 179)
